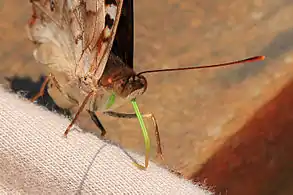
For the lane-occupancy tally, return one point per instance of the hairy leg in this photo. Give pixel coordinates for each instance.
(50, 77)
(80, 109)
(97, 122)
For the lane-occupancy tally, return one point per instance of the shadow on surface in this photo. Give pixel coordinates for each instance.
(107, 143)
(88, 169)
(28, 88)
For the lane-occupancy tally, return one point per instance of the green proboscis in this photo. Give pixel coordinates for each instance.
(111, 100)
(145, 135)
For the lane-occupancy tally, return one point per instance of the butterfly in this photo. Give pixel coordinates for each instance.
(87, 49)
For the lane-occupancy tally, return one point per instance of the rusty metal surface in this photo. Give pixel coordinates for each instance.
(197, 111)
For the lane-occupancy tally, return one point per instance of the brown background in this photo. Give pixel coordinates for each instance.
(230, 128)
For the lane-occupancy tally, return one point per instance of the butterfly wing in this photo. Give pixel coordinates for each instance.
(123, 42)
(71, 30)
(48, 28)
(65, 33)
(105, 41)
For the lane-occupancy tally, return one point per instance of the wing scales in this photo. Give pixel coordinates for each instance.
(105, 41)
(79, 29)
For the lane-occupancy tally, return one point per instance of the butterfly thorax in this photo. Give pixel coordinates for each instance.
(119, 84)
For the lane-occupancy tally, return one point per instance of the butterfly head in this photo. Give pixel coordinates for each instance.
(128, 86)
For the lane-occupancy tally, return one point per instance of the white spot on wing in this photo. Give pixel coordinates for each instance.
(111, 10)
(86, 63)
(107, 32)
(69, 3)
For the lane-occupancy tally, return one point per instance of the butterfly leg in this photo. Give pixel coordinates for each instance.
(85, 101)
(50, 77)
(97, 122)
(133, 115)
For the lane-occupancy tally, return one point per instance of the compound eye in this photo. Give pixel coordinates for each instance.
(110, 80)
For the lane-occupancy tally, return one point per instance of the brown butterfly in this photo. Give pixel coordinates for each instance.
(87, 47)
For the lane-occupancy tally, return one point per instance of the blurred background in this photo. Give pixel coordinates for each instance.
(229, 128)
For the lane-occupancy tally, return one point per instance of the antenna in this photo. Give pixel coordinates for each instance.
(247, 60)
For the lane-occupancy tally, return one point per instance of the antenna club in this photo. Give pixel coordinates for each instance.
(252, 59)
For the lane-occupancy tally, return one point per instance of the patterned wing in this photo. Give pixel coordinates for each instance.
(45, 29)
(123, 42)
(73, 35)
(104, 44)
